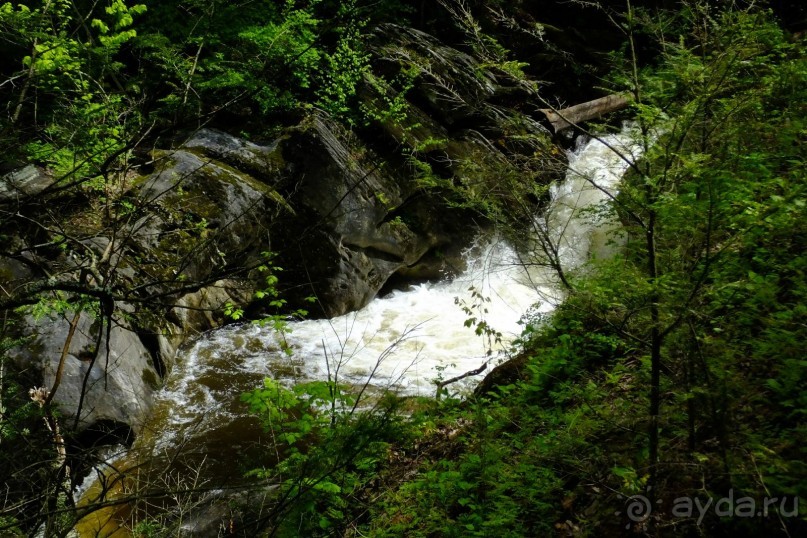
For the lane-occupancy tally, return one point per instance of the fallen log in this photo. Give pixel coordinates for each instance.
(566, 117)
(441, 384)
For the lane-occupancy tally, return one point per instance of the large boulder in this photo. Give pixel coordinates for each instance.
(106, 375)
(24, 182)
(208, 207)
(202, 216)
(196, 227)
(351, 229)
(192, 220)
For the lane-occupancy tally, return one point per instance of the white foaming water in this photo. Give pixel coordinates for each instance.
(402, 341)
(408, 338)
(576, 222)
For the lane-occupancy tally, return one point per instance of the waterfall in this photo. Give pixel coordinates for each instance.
(409, 338)
(402, 341)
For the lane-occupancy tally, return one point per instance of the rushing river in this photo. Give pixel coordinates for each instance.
(408, 338)
(402, 341)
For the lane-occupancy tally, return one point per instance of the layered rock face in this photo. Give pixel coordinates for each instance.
(347, 237)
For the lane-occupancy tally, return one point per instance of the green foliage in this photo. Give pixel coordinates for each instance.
(484, 45)
(13, 418)
(327, 452)
(346, 66)
(26, 449)
(279, 322)
(390, 106)
(720, 192)
(149, 529)
(287, 42)
(721, 188)
(501, 479)
(268, 56)
(9, 526)
(476, 312)
(71, 68)
(292, 414)
(724, 180)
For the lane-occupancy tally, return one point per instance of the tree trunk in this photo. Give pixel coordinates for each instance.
(567, 117)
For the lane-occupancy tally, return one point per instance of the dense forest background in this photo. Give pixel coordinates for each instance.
(674, 370)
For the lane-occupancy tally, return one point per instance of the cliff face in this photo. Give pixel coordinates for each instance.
(344, 212)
